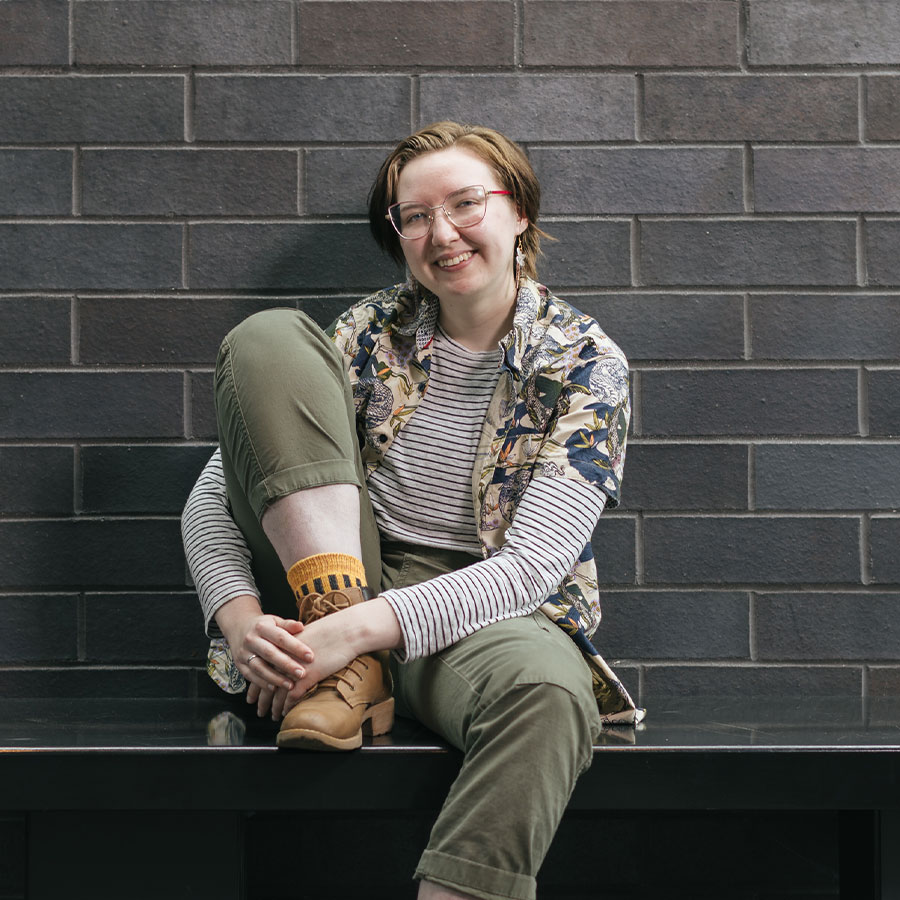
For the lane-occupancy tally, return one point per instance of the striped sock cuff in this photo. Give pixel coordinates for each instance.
(326, 572)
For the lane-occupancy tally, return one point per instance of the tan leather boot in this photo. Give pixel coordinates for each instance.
(332, 715)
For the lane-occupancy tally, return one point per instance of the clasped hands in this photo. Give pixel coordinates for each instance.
(280, 666)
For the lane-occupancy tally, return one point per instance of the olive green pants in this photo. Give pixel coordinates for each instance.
(515, 696)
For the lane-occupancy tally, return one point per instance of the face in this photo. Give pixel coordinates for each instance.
(474, 263)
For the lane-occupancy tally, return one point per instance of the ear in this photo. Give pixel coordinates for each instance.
(521, 224)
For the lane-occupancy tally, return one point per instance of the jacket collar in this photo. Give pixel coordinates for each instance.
(524, 333)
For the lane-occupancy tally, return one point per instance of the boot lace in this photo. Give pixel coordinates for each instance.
(314, 606)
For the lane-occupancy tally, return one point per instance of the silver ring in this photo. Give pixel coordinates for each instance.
(251, 657)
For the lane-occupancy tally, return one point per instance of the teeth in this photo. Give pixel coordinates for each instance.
(443, 263)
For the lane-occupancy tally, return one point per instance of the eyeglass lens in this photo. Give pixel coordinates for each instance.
(464, 208)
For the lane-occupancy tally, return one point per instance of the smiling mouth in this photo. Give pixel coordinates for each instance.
(455, 260)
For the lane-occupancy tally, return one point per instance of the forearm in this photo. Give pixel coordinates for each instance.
(217, 553)
(553, 524)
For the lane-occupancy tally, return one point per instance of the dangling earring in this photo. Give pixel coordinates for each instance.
(520, 262)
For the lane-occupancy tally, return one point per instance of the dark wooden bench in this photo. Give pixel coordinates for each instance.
(117, 792)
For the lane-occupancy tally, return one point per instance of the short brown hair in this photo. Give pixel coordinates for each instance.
(506, 158)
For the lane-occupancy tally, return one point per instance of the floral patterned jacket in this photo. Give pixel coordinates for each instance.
(560, 409)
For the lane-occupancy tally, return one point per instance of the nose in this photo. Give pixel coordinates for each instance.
(443, 230)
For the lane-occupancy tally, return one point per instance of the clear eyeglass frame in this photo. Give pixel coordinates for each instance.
(396, 210)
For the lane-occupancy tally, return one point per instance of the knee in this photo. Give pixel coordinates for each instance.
(269, 337)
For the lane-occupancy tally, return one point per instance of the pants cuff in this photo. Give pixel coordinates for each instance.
(477, 879)
(301, 478)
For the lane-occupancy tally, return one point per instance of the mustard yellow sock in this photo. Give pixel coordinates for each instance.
(326, 572)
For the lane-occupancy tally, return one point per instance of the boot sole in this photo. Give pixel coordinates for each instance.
(377, 719)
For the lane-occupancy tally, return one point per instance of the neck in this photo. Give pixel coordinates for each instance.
(477, 325)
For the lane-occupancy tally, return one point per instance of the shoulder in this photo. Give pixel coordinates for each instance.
(568, 326)
(374, 314)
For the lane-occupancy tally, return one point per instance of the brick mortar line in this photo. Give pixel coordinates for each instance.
(142, 218)
(89, 665)
(850, 217)
(856, 589)
(518, 35)
(77, 184)
(330, 144)
(758, 514)
(634, 240)
(711, 365)
(865, 550)
(639, 107)
(188, 110)
(367, 70)
(96, 517)
(862, 261)
(186, 256)
(296, 36)
(637, 403)
(726, 292)
(863, 401)
(746, 321)
(71, 35)
(415, 103)
(167, 443)
(751, 477)
(81, 628)
(194, 146)
(639, 568)
(747, 172)
(608, 588)
(862, 104)
(187, 407)
(713, 662)
(654, 440)
(74, 332)
(752, 636)
(301, 182)
(77, 480)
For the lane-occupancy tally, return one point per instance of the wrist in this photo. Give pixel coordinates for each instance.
(372, 626)
(232, 616)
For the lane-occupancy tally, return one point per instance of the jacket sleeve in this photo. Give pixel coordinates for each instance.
(586, 437)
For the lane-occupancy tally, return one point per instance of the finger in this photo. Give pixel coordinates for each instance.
(252, 692)
(265, 675)
(264, 702)
(292, 626)
(288, 663)
(290, 645)
(278, 704)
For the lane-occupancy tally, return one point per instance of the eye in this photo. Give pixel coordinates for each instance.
(414, 216)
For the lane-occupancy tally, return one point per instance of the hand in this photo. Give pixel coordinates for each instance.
(264, 647)
(338, 638)
(333, 649)
(267, 700)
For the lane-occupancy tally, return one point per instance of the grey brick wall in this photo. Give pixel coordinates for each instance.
(722, 176)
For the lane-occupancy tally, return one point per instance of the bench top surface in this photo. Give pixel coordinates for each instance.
(702, 753)
(691, 725)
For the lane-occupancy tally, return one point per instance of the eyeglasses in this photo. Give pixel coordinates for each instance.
(464, 208)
